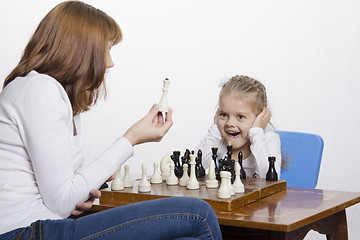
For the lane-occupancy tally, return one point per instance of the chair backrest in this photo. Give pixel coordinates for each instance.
(301, 153)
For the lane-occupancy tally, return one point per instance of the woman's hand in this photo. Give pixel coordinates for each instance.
(150, 128)
(263, 119)
(83, 206)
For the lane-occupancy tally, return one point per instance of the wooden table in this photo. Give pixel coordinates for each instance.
(288, 214)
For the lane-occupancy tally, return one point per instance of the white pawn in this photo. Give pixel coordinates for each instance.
(165, 167)
(172, 179)
(212, 182)
(224, 190)
(185, 177)
(144, 185)
(156, 177)
(163, 104)
(117, 183)
(238, 185)
(193, 182)
(127, 180)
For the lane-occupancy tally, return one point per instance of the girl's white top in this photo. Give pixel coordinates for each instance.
(263, 145)
(42, 175)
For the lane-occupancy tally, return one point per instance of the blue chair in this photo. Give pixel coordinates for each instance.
(301, 154)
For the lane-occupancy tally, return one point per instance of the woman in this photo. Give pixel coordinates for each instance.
(42, 176)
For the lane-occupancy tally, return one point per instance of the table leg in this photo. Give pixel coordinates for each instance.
(334, 226)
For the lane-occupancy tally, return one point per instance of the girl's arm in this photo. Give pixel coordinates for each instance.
(264, 143)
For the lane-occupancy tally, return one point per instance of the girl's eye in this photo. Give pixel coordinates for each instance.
(223, 115)
(241, 116)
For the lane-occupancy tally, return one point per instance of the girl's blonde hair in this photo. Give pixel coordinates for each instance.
(241, 85)
(71, 44)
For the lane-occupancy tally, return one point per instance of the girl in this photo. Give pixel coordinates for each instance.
(42, 176)
(241, 119)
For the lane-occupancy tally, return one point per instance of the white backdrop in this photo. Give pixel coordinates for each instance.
(307, 53)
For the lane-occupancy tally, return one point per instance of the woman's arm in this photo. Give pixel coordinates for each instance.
(46, 126)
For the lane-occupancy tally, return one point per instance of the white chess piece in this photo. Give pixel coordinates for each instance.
(144, 185)
(212, 182)
(172, 179)
(117, 183)
(193, 182)
(224, 190)
(126, 179)
(238, 185)
(163, 104)
(185, 177)
(165, 166)
(156, 177)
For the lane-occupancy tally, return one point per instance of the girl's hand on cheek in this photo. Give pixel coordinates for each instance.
(263, 119)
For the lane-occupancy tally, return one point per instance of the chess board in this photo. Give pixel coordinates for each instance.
(254, 189)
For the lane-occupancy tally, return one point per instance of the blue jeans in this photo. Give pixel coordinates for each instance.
(166, 218)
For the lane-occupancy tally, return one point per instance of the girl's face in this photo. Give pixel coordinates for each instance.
(235, 117)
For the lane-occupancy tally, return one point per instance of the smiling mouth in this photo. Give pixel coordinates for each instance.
(234, 134)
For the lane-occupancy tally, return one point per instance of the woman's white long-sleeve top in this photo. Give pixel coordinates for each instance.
(263, 144)
(42, 175)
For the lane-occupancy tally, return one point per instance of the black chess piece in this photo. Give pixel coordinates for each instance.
(271, 175)
(214, 157)
(176, 159)
(105, 185)
(186, 159)
(242, 171)
(224, 162)
(229, 150)
(199, 169)
(228, 164)
(232, 170)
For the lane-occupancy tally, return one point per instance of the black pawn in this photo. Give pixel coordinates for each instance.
(214, 157)
(242, 171)
(271, 175)
(199, 169)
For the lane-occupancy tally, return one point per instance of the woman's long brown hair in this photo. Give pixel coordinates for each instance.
(70, 44)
